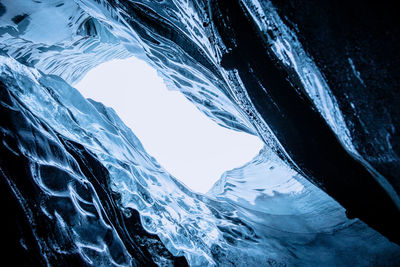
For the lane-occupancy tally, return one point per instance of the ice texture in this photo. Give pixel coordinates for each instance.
(264, 203)
(82, 189)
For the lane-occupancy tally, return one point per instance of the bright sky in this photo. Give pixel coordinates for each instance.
(185, 142)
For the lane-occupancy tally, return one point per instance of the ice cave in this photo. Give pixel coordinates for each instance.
(189, 145)
(316, 83)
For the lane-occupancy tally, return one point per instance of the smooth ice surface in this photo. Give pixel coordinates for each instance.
(187, 143)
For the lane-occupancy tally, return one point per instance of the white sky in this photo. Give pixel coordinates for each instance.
(185, 142)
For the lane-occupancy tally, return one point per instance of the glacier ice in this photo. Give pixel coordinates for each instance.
(79, 189)
(184, 141)
(203, 228)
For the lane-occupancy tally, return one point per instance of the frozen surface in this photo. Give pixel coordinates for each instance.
(90, 193)
(262, 206)
(183, 140)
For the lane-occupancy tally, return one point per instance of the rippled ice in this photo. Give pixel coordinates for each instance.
(261, 213)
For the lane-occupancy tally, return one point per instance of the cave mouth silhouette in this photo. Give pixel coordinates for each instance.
(184, 141)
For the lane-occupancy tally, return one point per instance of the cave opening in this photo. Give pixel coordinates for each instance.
(183, 140)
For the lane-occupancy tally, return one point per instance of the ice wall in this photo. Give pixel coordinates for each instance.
(84, 191)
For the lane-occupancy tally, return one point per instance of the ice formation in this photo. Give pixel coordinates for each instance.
(79, 189)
